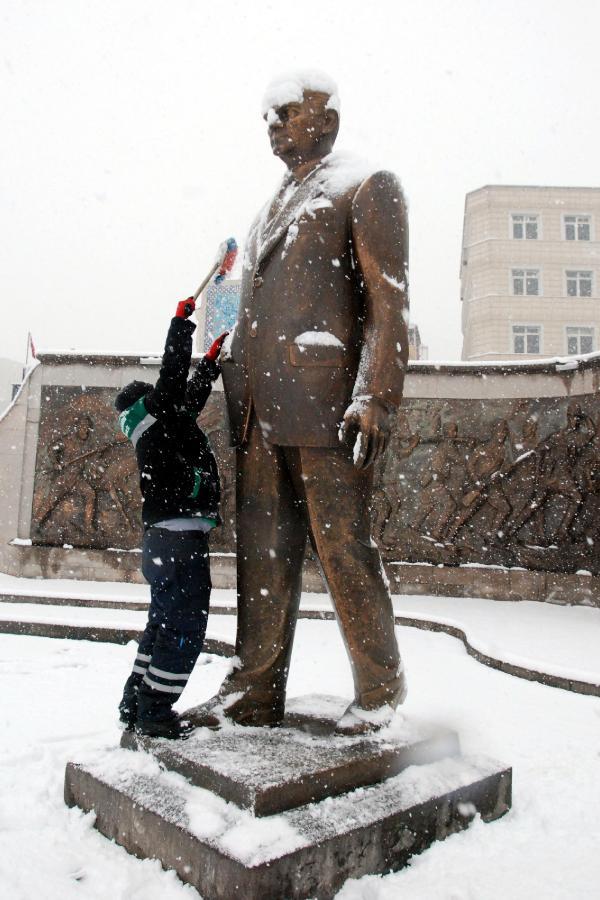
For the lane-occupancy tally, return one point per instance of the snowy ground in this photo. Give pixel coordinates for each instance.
(59, 698)
(523, 633)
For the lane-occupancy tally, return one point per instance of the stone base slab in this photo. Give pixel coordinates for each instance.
(270, 770)
(308, 852)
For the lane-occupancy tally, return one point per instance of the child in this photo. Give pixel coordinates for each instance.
(179, 482)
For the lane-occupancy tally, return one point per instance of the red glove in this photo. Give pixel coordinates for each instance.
(215, 347)
(185, 308)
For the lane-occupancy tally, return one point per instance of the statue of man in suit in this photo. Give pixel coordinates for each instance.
(313, 375)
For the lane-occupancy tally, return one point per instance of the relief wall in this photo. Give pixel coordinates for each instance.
(86, 489)
(495, 482)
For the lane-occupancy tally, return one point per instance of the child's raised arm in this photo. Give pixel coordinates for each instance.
(168, 395)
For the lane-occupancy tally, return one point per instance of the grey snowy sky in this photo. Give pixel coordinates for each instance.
(132, 141)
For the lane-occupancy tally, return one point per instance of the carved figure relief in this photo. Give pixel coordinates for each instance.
(513, 483)
(86, 491)
(517, 485)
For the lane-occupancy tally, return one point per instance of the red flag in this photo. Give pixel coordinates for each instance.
(32, 346)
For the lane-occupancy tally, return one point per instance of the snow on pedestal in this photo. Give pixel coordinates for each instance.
(292, 811)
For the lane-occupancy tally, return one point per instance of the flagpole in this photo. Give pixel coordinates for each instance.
(27, 351)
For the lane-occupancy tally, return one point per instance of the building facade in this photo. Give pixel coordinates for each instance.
(416, 349)
(530, 265)
(11, 375)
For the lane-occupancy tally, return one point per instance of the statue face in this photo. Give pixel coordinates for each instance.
(299, 131)
(82, 428)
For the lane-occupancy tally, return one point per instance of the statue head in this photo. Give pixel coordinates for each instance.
(82, 426)
(301, 110)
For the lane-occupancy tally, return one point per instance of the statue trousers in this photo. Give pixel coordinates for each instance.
(285, 495)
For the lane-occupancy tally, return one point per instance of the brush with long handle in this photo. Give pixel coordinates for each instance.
(223, 264)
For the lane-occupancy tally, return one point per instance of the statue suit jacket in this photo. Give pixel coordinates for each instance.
(323, 306)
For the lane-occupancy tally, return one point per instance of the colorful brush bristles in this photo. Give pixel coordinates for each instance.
(230, 250)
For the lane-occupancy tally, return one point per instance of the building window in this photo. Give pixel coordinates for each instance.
(580, 339)
(579, 284)
(524, 227)
(526, 281)
(577, 228)
(526, 338)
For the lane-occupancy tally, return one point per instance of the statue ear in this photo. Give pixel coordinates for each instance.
(332, 122)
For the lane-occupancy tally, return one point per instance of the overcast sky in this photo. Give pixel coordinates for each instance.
(132, 141)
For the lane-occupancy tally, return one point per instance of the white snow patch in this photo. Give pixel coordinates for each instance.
(272, 117)
(567, 366)
(253, 840)
(317, 338)
(207, 814)
(341, 171)
(292, 234)
(226, 346)
(356, 451)
(358, 405)
(399, 285)
(354, 715)
(312, 205)
(289, 87)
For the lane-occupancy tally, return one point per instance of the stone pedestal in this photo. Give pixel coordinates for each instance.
(270, 770)
(288, 812)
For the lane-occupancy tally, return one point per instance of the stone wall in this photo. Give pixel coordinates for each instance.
(491, 485)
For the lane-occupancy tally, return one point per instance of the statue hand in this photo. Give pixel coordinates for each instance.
(366, 427)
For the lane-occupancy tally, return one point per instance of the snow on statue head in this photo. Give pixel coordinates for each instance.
(290, 87)
(302, 110)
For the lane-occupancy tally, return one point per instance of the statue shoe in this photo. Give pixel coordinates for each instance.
(207, 715)
(357, 721)
(235, 708)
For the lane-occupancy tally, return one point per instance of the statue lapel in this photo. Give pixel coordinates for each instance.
(276, 227)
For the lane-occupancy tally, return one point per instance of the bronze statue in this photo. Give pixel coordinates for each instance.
(313, 375)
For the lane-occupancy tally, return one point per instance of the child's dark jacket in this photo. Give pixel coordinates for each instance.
(178, 471)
